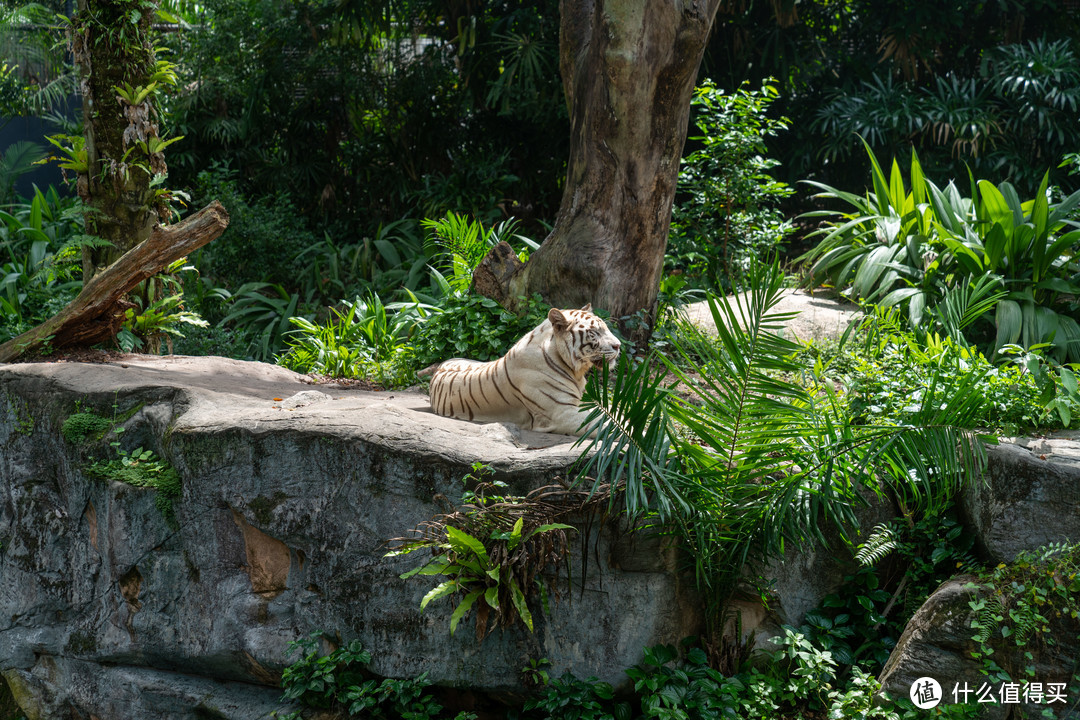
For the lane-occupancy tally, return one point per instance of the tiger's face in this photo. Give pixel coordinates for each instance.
(589, 339)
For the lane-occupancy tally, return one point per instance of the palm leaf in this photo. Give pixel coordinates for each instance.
(628, 441)
(752, 461)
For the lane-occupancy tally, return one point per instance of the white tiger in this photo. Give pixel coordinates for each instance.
(538, 384)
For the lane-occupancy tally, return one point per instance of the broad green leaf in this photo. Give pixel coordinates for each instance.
(918, 180)
(440, 590)
(944, 212)
(899, 296)
(966, 256)
(1054, 251)
(518, 598)
(897, 196)
(1012, 199)
(995, 245)
(550, 526)
(1064, 209)
(35, 211)
(881, 185)
(1040, 215)
(463, 607)
(515, 535)
(875, 263)
(1058, 285)
(1008, 318)
(491, 597)
(463, 542)
(997, 209)
(1068, 380)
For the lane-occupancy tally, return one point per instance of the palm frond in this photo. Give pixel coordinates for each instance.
(628, 441)
(744, 461)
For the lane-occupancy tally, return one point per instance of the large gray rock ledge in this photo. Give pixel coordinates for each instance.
(289, 494)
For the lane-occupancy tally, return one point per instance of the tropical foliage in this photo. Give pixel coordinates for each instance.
(887, 371)
(961, 82)
(743, 460)
(726, 214)
(364, 339)
(493, 551)
(39, 243)
(795, 679)
(1013, 118)
(986, 266)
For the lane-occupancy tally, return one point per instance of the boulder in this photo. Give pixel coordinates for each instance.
(818, 315)
(937, 643)
(1029, 497)
(801, 580)
(290, 491)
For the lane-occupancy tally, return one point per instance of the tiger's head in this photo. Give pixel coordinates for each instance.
(588, 338)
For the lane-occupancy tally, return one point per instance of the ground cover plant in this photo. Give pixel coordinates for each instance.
(884, 372)
(795, 678)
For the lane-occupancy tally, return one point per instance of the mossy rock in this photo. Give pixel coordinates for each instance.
(9, 708)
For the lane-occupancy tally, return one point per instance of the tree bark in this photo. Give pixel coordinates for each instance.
(95, 315)
(629, 69)
(111, 45)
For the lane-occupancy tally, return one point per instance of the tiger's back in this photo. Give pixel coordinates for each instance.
(538, 384)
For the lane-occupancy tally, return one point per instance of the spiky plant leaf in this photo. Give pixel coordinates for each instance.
(753, 461)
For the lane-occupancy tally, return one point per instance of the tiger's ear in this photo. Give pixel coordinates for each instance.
(588, 307)
(558, 320)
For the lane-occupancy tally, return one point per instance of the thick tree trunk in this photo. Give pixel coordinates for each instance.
(95, 315)
(110, 42)
(629, 69)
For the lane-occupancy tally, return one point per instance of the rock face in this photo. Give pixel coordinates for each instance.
(1030, 497)
(289, 493)
(937, 643)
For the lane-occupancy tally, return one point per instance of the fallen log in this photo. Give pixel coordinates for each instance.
(96, 314)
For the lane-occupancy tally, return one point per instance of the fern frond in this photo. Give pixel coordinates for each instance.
(877, 547)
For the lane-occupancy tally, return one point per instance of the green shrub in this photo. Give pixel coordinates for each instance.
(464, 242)
(1020, 610)
(213, 340)
(40, 269)
(1005, 117)
(261, 313)
(475, 327)
(797, 679)
(339, 681)
(862, 621)
(989, 267)
(366, 339)
(892, 373)
(381, 262)
(493, 550)
(743, 458)
(264, 238)
(726, 212)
